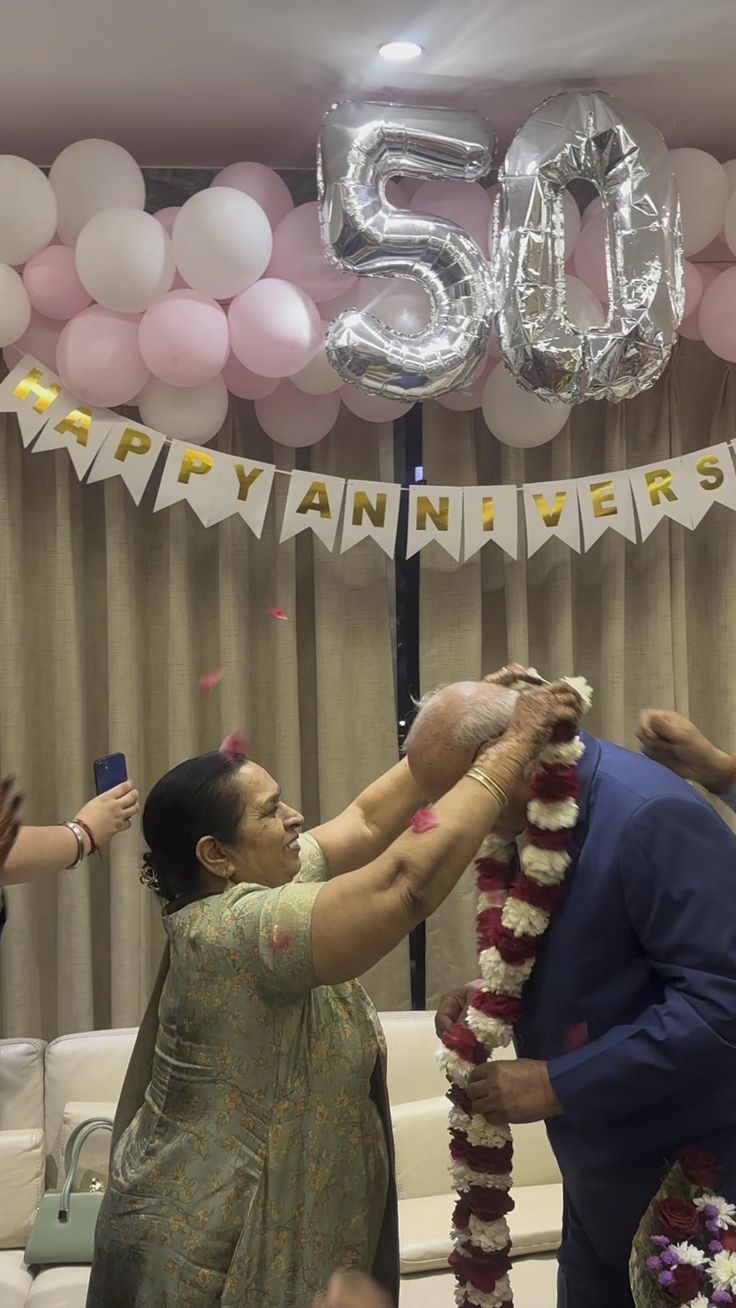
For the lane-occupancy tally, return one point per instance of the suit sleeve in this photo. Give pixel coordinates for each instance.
(678, 874)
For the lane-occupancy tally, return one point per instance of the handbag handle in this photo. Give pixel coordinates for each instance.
(71, 1157)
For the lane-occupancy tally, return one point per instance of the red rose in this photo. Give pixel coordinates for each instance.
(496, 873)
(548, 898)
(554, 784)
(461, 1099)
(487, 924)
(699, 1167)
(728, 1240)
(461, 1040)
(678, 1219)
(514, 949)
(686, 1284)
(484, 1202)
(482, 1276)
(548, 839)
(480, 1158)
(504, 1007)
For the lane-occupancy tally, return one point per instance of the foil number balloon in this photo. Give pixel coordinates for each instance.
(600, 139)
(361, 146)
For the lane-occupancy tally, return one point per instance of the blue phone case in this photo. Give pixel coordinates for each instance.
(109, 772)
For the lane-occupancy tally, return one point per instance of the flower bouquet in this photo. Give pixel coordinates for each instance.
(685, 1249)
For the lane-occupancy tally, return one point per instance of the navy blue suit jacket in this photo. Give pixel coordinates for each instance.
(633, 998)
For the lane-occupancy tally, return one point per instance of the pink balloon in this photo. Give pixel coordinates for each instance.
(52, 282)
(717, 316)
(299, 255)
(167, 217)
(275, 328)
(98, 357)
(372, 408)
(590, 257)
(593, 210)
(396, 195)
(40, 339)
(465, 203)
(262, 184)
(572, 223)
(295, 419)
(184, 338)
(245, 384)
(690, 326)
(693, 288)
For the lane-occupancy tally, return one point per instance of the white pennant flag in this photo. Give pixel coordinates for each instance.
(709, 478)
(491, 514)
(605, 501)
(551, 509)
(77, 428)
(241, 486)
(129, 451)
(188, 475)
(29, 390)
(435, 513)
(313, 503)
(661, 491)
(371, 510)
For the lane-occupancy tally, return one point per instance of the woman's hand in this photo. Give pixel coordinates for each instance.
(353, 1290)
(111, 812)
(673, 741)
(536, 714)
(9, 824)
(511, 674)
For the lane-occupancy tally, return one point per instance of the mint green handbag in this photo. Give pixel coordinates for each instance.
(64, 1227)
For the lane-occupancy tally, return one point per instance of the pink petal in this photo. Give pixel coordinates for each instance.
(276, 613)
(423, 820)
(235, 744)
(209, 680)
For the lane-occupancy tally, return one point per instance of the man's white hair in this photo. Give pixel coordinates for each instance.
(480, 722)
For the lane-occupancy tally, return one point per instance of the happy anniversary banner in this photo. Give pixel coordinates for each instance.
(461, 519)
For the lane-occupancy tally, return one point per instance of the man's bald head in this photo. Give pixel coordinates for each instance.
(449, 729)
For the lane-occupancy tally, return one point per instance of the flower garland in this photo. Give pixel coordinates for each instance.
(513, 914)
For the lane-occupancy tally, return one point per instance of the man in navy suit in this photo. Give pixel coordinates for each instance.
(628, 1044)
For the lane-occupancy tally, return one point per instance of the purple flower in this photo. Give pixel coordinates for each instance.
(661, 1241)
(670, 1257)
(722, 1296)
(710, 1210)
(666, 1278)
(654, 1264)
(715, 1246)
(711, 1226)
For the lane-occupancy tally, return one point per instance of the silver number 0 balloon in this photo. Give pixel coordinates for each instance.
(361, 146)
(594, 137)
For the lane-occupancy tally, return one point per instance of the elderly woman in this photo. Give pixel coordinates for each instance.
(256, 1154)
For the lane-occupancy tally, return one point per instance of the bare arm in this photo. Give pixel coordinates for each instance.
(40, 850)
(360, 917)
(367, 826)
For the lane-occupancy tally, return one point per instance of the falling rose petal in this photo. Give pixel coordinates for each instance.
(209, 680)
(423, 820)
(235, 744)
(276, 613)
(280, 939)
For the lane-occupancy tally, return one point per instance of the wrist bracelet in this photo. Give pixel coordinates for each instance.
(76, 831)
(93, 846)
(489, 784)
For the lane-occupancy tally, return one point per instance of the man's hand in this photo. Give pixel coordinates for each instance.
(452, 1006)
(670, 739)
(9, 823)
(514, 1090)
(353, 1290)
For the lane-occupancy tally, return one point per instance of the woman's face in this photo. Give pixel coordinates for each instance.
(267, 850)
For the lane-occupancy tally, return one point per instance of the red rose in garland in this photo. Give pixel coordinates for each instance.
(678, 1219)
(700, 1168)
(686, 1284)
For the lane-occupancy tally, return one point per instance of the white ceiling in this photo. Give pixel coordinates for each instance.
(206, 82)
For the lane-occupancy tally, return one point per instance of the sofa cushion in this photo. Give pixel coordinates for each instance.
(422, 1147)
(21, 1083)
(94, 1159)
(413, 1070)
(59, 1287)
(424, 1226)
(15, 1279)
(82, 1068)
(22, 1171)
(533, 1280)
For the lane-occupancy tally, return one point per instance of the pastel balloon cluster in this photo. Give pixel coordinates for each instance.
(232, 293)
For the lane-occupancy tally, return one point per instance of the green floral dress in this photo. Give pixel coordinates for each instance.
(260, 1158)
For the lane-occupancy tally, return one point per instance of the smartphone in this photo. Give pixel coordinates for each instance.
(109, 772)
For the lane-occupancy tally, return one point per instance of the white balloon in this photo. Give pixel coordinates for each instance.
(318, 377)
(222, 242)
(703, 186)
(15, 307)
(518, 417)
(28, 210)
(187, 413)
(398, 302)
(584, 308)
(729, 169)
(125, 259)
(90, 176)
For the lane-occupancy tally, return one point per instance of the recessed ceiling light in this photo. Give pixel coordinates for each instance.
(400, 50)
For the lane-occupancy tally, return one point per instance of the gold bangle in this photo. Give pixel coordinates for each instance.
(489, 784)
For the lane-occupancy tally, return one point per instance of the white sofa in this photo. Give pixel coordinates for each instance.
(46, 1089)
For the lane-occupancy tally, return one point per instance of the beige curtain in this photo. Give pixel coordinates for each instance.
(650, 624)
(108, 616)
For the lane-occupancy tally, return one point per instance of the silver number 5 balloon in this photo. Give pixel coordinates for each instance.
(361, 146)
(600, 139)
